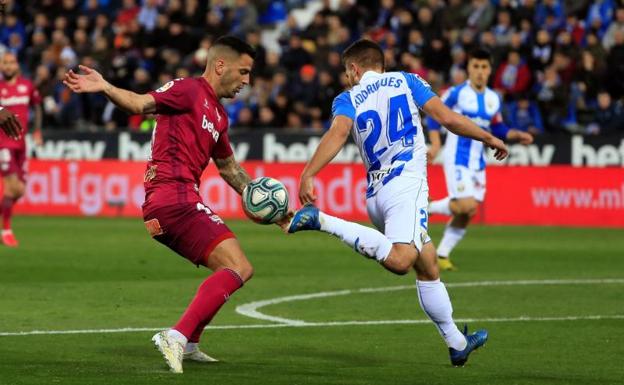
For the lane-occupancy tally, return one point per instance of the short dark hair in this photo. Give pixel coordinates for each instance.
(480, 54)
(235, 44)
(366, 53)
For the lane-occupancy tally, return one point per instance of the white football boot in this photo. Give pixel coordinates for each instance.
(171, 349)
(198, 356)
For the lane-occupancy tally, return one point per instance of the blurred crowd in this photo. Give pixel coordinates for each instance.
(558, 64)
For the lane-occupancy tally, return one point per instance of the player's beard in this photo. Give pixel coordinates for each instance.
(9, 76)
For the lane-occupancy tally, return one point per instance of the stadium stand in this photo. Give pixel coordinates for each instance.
(559, 64)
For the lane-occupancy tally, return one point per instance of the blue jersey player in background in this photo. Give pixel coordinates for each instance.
(381, 111)
(464, 160)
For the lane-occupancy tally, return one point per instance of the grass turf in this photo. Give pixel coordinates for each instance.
(77, 274)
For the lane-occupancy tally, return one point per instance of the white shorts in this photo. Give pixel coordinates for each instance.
(462, 182)
(399, 210)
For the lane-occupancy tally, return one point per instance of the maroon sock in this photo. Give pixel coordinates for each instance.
(211, 295)
(7, 212)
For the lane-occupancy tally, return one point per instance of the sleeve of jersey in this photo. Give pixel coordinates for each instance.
(222, 149)
(342, 106)
(173, 96)
(35, 96)
(498, 127)
(450, 99)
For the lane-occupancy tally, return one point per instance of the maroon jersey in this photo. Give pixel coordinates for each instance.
(191, 128)
(17, 98)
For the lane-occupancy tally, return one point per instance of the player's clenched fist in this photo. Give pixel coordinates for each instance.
(90, 81)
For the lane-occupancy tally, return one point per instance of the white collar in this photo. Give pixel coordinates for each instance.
(370, 74)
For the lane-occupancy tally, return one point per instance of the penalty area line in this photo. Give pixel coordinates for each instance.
(323, 324)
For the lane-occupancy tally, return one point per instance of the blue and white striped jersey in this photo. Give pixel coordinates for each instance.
(484, 109)
(387, 128)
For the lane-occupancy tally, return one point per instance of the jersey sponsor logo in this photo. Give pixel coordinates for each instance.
(479, 121)
(15, 101)
(165, 86)
(153, 227)
(209, 126)
(423, 81)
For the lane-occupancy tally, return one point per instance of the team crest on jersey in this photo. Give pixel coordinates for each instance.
(22, 89)
(461, 187)
(165, 87)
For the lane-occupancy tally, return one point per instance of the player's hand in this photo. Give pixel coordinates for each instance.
(432, 153)
(306, 190)
(90, 81)
(38, 138)
(525, 138)
(284, 222)
(498, 145)
(10, 124)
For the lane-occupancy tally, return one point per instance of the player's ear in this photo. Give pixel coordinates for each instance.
(219, 66)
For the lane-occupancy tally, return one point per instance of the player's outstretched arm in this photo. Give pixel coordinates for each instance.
(10, 124)
(92, 81)
(460, 125)
(331, 143)
(233, 173)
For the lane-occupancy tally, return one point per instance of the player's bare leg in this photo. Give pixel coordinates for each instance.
(231, 269)
(462, 210)
(436, 303)
(14, 188)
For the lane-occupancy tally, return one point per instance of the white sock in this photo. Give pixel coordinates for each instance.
(177, 335)
(441, 206)
(365, 240)
(190, 347)
(435, 301)
(450, 239)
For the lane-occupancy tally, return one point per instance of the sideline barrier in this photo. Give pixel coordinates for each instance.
(554, 195)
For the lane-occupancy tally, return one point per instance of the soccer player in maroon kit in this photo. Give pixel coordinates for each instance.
(17, 94)
(191, 128)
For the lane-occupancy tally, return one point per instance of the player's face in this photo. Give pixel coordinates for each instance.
(479, 72)
(237, 75)
(9, 66)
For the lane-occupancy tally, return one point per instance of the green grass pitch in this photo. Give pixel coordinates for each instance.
(564, 326)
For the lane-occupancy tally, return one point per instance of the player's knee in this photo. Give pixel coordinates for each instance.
(244, 269)
(401, 260)
(14, 191)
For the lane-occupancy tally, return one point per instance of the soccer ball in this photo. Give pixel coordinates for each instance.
(265, 200)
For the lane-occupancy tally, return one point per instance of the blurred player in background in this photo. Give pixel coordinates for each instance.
(464, 161)
(17, 94)
(381, 111)
(191, 128)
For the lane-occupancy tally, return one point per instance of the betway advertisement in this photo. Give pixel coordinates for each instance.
(554, 195)
(280, 147)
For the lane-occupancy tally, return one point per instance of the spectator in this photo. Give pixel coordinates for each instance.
(524, 115)
(599, 16)
(542, 53)
(608, 40)
(552, 96)
(481, 15)
(609, 115)
(148, 15)
(513, 76)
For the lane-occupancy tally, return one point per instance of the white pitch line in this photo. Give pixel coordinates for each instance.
(251, 309)
(326, 324)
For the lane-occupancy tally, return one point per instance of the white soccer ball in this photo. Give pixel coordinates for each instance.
(265, 200)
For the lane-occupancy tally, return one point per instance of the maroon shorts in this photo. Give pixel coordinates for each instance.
(13, 161)
(190, 229)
